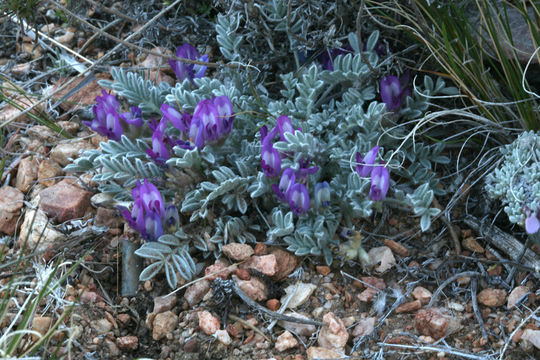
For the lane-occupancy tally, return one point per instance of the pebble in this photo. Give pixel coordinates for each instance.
(163, 324)
(196, 292)
(532, 336)
(64, 202)
(36, 230)
(365, 327)
(48, 172)
(238, 252)
(297, 328)
(128, 343)
(471, 244)
(316, 352)
(208, 323)
(334, 335)
(286, 263)
(456, 306)
(164, 303)
(396, 247)
(285, 342)
(492, 297)
(422, 294)
(516, 295)
(273, 304)
(218, 269)
(435, 322)
(409, 307)
(27, 173)
(101, 326)
(223, 337)
(383, 256)
(11, 203)
(243, 274)
(254, 288)
(191, 345)
(301, 293)
(63, 153)
(41, 324)
(323, 270)
(266, 264)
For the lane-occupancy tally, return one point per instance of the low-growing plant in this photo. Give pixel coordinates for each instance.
(242, 162)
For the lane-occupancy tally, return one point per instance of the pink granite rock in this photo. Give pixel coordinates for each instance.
(48, 172)
(266, 264)
(254, 288)
(436, 323)
(334, 335)
(11, 203)
(285, 341)
(64, 202)
(208, 323)
(164, 303)
(238, 252)
(517, 294)
(26, 174)
(196, 292)
(164, 324)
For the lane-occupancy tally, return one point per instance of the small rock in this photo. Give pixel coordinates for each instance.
(323, 270)
(316, 353)
(195, 292)
(42, 133)
(112, 349)
(70, 127)
(218, 269)
(302, 292)
(397, 248)
(124, 318)
(265, 264)
(163, 324)
(297, 328)
(11, 203)
(64, 153)
(435, 322)
(426, 339)
(254, 288)
(128, 343)
(41, 324)
(516, 295)
(334, 335)
(492, 297)
(26, 174)
(286, 263)
(273, 304)
(107, 217)
(237, 252)
(48, 172)
(243, 274)
(383, 256)
(223, 337)
(208, 323)
(409, 306)
(260, 249)
(532, 336)
(64, 202)
(364, 327)
(39, 232)
(48, 28)
(472, 245)
(456, 306)
(164, 303)
(101, 326)
(65, 39)
(367, 295)
(285, 341)
(90, 297)
(191, 345)
(422, 294)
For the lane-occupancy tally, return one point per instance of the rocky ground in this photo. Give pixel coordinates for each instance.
(427, 295)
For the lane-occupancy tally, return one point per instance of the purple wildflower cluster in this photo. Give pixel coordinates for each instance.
(109, 121)
(149, 215)
(380, 177)
(292, 184)
(190, 71)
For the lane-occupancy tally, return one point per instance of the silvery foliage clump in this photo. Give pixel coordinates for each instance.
(516, 182)
(222, 189)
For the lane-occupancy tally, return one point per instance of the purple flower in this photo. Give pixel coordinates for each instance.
(284, 125)
(171, 217)
(207, 115)
(106, 121)
(196, 132)
(298, 198)
(365, 165)
(380, 182)
(150, 196)
(270, 160)
(159, 151)
(322, 194)
(287, 180)
(178, 120)
(226, 113)
(190, 71)
(393, 91)
(267, 137)
(134, 117)
(532, 223)
(153, 227)
(303, 170)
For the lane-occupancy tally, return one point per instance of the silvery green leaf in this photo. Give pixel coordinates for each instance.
(150, 271)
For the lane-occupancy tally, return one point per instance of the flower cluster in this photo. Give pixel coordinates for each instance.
(211, 120)
(149, 215)
(107, 117)
(394, 91)
(190, 71)
(380, 177)
(292, 184)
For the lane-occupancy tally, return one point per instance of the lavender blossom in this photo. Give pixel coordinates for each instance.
(532, 223)
(287, 180)
(365, 165)
(208, 115)
(380, 182)
(159, 151)
(226, 113)
(394, 91)
(178, 120)
(304, 170)
(196, 132)
(150, 196)
(322, 194)
(133, 117)
(284, 125)
(328, 56)
(153, 227)
(270, 160)
(298, 198)
(171, 217)
(190, 71)
(106, 121)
